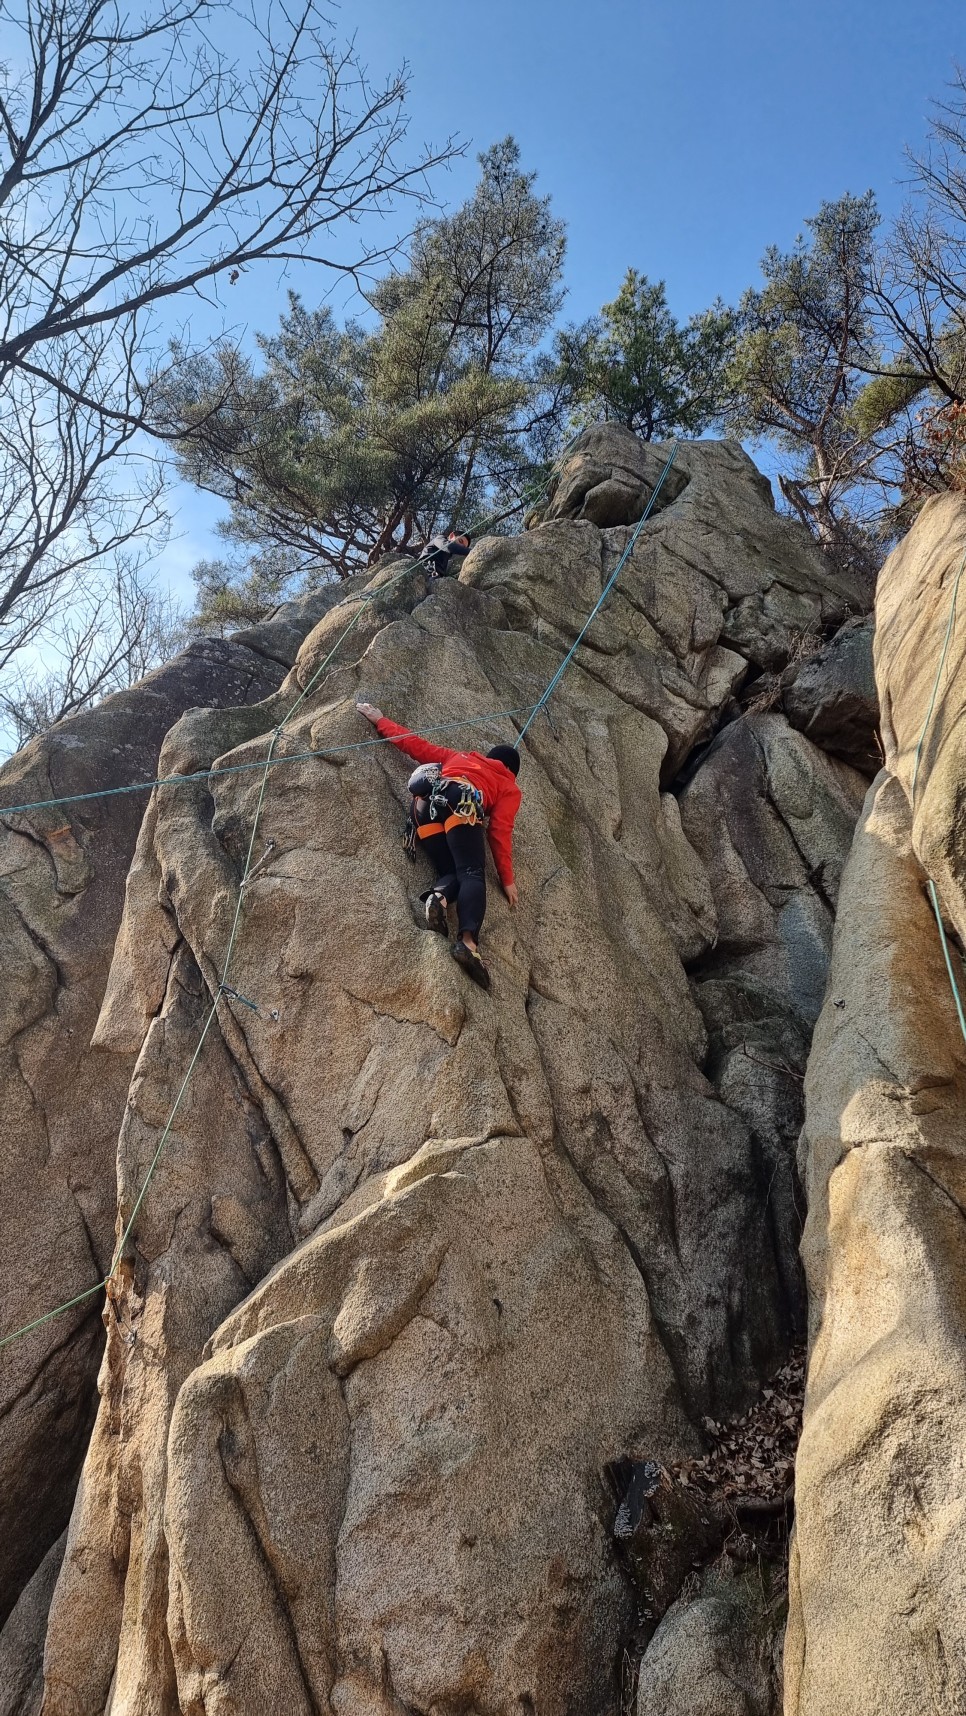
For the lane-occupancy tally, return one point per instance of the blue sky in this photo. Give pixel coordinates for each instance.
(679, 138)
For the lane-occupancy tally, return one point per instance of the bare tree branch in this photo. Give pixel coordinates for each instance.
(107, 640)
(159, 164)
(142, 161)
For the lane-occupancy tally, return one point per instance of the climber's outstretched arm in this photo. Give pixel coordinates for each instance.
(411, 743)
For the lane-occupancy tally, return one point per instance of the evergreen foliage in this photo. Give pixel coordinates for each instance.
(637, 365)
(807, 344)
(348, 442)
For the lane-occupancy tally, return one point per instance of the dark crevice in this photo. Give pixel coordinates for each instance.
(92, 1307)
(720, 959)
(675, 783)
(88, 1234)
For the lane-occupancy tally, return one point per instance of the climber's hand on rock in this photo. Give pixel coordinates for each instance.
(511, 893)
(370, 712)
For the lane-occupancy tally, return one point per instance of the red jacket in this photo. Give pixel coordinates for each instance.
(501, 795)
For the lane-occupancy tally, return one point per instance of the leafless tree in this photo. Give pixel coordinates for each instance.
(921, 286)
(142, 160)
(74, 496)
(913, 409)
(110, 636)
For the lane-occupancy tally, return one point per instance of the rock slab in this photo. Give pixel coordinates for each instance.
(878, 1591)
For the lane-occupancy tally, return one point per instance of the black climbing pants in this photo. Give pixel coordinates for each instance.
(457, 853)
(465, 879)
(447, 562)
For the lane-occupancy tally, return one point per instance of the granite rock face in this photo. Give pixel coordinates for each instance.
(878, 1610)
(608, 477)
(831, 696)
(62, 881)
(417, 1262)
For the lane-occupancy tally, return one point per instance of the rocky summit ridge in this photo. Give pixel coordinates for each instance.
(447, 1314)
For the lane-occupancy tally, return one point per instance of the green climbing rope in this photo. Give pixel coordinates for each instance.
(487, 718)
(223, 990)
(961, 1016)
(595, 610)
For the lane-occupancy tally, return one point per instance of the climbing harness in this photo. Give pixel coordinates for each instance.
(468, 809)
(423, 779)
(442, 813)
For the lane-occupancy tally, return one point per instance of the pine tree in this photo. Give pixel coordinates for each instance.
(636, 364)
(346, 442)
(808, 343)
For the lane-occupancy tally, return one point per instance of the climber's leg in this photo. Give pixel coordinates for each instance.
(431, 841)
(467, 848)
(431, 838)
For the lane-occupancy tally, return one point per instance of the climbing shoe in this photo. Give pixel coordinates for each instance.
(472, 964)
(436, 914)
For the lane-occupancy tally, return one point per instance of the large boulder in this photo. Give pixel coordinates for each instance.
(880, 1490)
(416, 1262)
(831, 696)
(63, 871)
(878, 1598)
(920, 655)
(716, 1655)
(607, 475)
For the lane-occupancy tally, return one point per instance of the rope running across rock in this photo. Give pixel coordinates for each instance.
(224, 991)
(605, 592)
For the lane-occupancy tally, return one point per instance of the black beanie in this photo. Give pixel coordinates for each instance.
(508, 756)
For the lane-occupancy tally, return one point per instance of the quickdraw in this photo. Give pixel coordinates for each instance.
(468, 807)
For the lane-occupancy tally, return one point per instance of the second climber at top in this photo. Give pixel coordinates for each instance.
(469, 787)
(440, 551)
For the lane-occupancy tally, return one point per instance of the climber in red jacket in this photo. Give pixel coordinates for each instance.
(471, 786)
